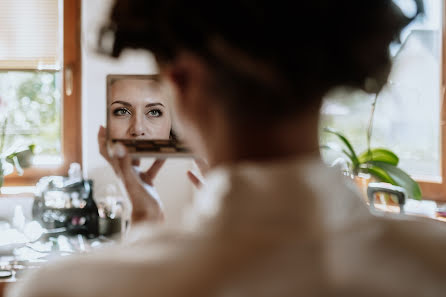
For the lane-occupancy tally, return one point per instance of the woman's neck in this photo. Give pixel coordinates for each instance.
(260, 142)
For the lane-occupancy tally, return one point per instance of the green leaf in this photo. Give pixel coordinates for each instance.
(32, 147)
(353, 155)
(10, 158)
(380, 155)
(401, 179)
(380, 174)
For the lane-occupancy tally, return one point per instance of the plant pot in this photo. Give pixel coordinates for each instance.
(363, 180)
(387, 199)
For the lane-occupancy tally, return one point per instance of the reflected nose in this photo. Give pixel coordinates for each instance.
(137, 128)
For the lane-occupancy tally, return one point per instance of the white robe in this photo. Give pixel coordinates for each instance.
(289, 228)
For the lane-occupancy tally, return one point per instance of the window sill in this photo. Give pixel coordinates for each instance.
(423, 208)
(19, 191)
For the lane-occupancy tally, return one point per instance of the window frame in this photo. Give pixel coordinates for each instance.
(436, 189)
(71, 136)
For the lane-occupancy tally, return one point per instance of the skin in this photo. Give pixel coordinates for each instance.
(213, 134)
(144, 207)
(136, 118)
(138, 110)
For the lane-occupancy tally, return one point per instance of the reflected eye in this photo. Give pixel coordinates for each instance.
(121, 112)
(155, 113)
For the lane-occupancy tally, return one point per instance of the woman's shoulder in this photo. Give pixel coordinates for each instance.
(132, 269)
(424, 238)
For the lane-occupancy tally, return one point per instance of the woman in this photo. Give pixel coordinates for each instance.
(273, 220)
(138, 110)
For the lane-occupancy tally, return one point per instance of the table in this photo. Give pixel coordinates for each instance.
(424, 208)
(33, 255)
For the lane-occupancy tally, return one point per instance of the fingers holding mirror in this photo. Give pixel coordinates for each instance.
(196, 178)
(149, 175)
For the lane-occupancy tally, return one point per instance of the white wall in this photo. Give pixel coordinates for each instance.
(172, 184)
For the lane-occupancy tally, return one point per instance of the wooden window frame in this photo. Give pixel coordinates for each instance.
(436, 190)
(71, 136)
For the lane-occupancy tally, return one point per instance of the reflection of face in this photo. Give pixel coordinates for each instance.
(138, 110)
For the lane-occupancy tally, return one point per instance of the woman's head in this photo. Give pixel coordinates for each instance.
(138, 110)
(296, 50)
(247, 67)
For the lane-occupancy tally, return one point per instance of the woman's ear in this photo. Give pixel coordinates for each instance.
(177, 78)
(187, 74)
(188, 78)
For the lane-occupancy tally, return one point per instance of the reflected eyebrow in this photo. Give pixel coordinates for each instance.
(121, 102)
(154, 104)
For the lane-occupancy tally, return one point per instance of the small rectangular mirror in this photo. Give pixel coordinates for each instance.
(140, 116)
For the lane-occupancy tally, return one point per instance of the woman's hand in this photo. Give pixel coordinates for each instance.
(139, 185)
(203, 167)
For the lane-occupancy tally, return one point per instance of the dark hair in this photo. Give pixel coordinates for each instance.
(289, 53)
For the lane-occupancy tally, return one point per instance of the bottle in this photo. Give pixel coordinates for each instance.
(18, 221)
(75, 173)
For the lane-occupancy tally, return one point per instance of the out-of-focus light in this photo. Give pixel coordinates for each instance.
(408, 7)
(33, 230)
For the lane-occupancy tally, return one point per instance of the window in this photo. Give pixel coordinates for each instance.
(408, 117)
(40, 83)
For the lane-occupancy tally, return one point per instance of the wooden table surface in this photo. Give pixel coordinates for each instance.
(7, 263)
(4, 283)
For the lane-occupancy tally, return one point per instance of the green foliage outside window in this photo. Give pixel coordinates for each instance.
(31, 105)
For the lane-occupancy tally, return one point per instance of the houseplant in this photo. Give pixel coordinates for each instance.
(379, 163)
(13, 158)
